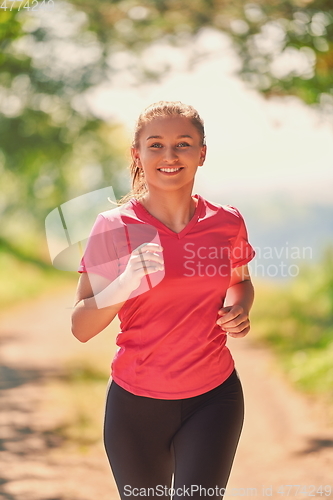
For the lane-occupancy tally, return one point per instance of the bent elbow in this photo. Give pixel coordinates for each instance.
(78, 335)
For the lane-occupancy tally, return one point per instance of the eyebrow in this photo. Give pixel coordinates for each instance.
(160, 137)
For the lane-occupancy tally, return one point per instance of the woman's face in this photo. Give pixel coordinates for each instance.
(170, 151)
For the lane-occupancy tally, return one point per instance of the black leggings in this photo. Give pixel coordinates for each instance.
(148, 440)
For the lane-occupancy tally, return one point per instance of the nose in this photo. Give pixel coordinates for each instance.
(170, 155)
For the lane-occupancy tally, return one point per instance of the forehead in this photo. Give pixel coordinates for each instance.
(169, 127)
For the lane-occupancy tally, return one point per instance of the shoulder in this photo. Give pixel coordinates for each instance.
(228, 212)
(118, 213)
(112, 219)
(233, 212)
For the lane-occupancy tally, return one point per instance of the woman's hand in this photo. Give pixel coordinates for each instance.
(146, 259)
(234, 321)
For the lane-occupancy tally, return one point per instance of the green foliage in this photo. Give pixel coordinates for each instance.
(24, 277)
(84, 371)
(285, 48)
(52, 147)
(81, 389)
(297, 322)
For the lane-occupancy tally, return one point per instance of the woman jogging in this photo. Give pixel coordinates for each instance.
(173, 266)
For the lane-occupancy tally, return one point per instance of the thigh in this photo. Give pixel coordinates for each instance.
(138, 435)
(206, 443)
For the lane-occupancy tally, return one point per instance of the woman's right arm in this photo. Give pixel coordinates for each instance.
(89, 316)
(98, 301)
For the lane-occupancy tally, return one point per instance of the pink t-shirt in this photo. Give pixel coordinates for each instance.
(169, 344)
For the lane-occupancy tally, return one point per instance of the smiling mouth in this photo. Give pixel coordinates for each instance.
(170, 170)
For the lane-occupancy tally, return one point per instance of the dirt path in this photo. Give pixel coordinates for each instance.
(285, 440)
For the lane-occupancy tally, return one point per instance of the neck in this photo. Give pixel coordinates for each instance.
(174, 209)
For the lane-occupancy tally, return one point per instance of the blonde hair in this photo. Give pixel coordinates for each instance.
(159, 109)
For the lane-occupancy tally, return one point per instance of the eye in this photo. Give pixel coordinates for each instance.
(183, 144)
(156, 145)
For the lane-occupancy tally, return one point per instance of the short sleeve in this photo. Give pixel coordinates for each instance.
(100, 256)
(242, 252)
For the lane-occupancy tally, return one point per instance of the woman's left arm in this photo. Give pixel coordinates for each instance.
(234, 316)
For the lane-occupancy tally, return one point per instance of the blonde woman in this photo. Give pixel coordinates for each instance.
(173, 266)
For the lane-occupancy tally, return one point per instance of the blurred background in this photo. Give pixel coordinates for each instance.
(74, 77)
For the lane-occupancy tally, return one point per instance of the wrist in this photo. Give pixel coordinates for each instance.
(125, 283)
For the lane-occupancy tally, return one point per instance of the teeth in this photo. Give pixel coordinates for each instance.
(169, 169)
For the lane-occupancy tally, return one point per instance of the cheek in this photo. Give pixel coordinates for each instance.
(149, 155)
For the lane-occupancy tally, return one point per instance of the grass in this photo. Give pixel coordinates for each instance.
(296, 322)
(81, 389)
(22, 279)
